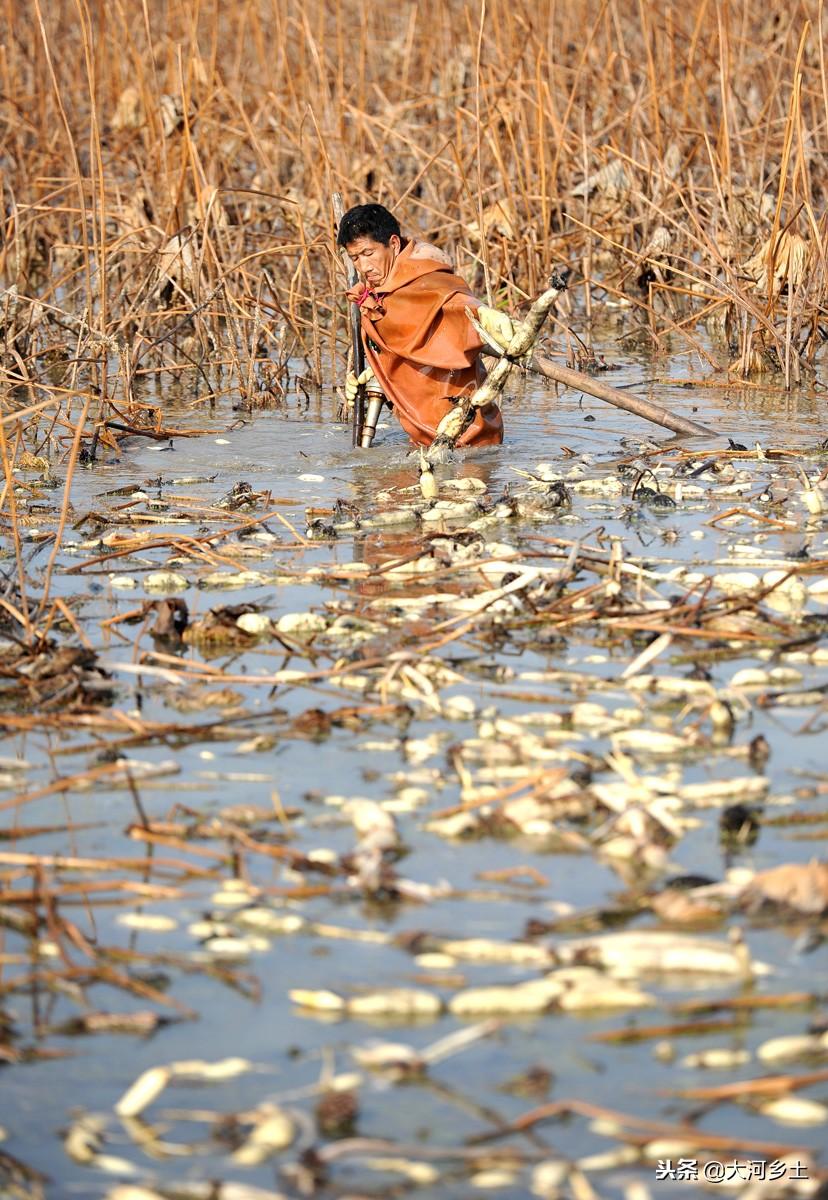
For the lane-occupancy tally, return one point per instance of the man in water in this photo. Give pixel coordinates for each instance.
(421, 350)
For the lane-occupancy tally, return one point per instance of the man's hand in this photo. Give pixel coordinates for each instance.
(499, 325)
(354, 382)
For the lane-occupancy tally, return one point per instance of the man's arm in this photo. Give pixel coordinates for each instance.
(497, 324)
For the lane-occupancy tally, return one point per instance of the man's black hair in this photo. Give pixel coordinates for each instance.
(368, 220)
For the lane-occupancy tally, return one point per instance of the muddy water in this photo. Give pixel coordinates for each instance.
(305, 460)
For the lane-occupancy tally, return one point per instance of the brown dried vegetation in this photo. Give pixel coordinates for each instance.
(167, 177)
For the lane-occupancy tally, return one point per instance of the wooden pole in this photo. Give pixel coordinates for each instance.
(358, 412)
(602, 391)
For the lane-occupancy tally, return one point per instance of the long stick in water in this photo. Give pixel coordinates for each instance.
(358, 410)
(575, 379)
(602, 391)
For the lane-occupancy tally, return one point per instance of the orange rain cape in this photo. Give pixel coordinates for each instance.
(422, 347)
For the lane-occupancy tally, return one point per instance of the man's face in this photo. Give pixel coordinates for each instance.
(373, 260)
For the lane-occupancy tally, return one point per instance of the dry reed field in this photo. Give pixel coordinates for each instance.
(167, 172)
